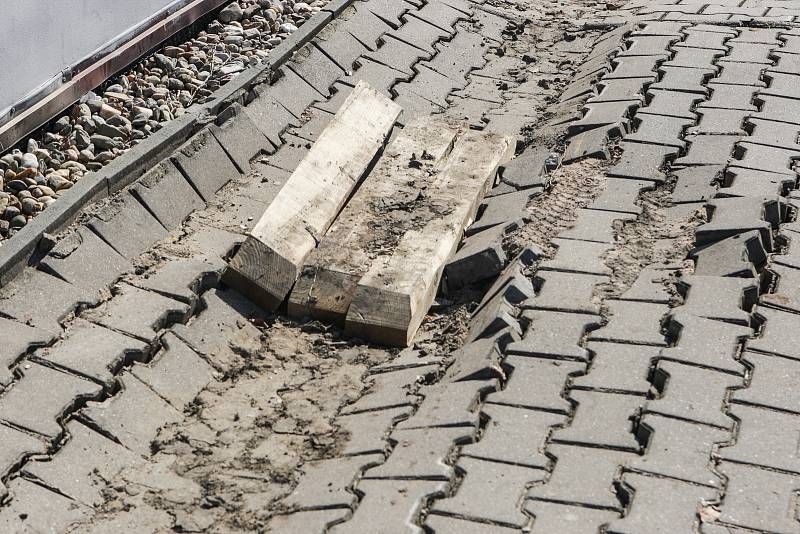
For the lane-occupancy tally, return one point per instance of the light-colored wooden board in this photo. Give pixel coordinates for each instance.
(385, 206)
(393, 297)
(268, 263)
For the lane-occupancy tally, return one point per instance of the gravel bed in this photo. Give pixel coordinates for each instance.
(101, 127)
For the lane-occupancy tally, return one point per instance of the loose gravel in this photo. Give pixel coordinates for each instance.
(102, 126)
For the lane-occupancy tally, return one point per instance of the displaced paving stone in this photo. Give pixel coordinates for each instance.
(536, 383)
(502, 209)
(512, 285)
(642, 162)
(601, 419)
(449, 404)
(578, 257)
(580, 477)
(38, 399)
(632, 322)
(270, 116)
(205, 164)
(596, 225)
(736, 215)
(490, 491)
(709, 150)
(527, 170)
(765, 158)
(739, 255)
(479, 360)
(480, 257)
(323, 483)
(368, 429)
(618, 368)
(83, 466)
(93, 351)
(167, 195)
(133, 416)
(421, 454)
(650, 285)
(554, 335)
(621, 90)
(177, 373)
(397, 503)
(240, 137)
(566, 292)
(693, 394)
(719, 122)
(725, 96)
(634, 67)
(588, 144)
(127, 226)
(513, 436)
(696, 184)
(724, 299)
(315, 68)
(496, 316)
(138, 313)
(654, 513)
(292, 92)
(706, 342)
(620, 195)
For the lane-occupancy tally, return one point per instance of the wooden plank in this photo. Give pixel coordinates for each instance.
(393, 297)
(382, 210)
(267, 265)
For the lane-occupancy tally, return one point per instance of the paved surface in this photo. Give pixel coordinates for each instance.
(621, 357)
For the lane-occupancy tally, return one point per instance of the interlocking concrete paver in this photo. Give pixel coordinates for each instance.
(706, 342)
(771, 384)
(684, 79)
(367, 429)
(709, 150)
(618, 367)
(205, 164)
(595, 225)
(632, 322)
(443, 524)
(578, 257)
(621, 195)
(722, 298)
(736, 215)
(778, 452)
(714, 121)
(660, 130)
(307, 521)
(324, 482)
(167, 195)
(740, 255)
(481, 256)
(421, 454)
(16, 339)
(670, 104)
(536, 383)
(567, 292)
(566, 518)
(601, 419)
(17, 445)
(450, 404)
(554, 335)
(389, 390)
(34, 508)
(642, 161)
(127, 226)
(479, 360)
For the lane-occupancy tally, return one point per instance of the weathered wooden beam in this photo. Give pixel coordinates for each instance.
(385, 206)
(269, 262)
(393, 297)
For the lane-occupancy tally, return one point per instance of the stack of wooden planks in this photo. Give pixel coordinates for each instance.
(376, 268)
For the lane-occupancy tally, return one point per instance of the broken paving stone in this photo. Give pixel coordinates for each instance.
(502, 209)
(529, 169)
(480, 257)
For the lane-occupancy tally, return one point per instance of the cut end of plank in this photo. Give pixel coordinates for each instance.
(395, 325)
(322, 294)
(260, 274)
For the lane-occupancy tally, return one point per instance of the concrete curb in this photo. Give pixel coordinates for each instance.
(16, 253)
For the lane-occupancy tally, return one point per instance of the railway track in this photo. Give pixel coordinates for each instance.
(625, 363)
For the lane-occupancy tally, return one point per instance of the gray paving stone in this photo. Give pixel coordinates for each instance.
(747, 52)
(730, 97)
(780, 84)
(493, 318)
(759, 499)
(512, 284)
(588, 144)
(751, 183)
(323, 483)
(479, 360)
(731, 216)
(736, 73)
(679, 449)
(670, 104)
(182, 279)
(365, 26)
(443, 524)
(596, 225)
(389, 390)
(490, 491)
(368, 430)
(648, 45)
(601, 419)
(407, 358)
(502, 209)
(765, 158)
(618, 368)
(421, 454)
(578, 257)
(17, 445)
(528, 170)
(536, 383)
(240, 137)
(778, 453)
(420, 33)
(339, 44)
(270, 116)
(620, 195)
(34, 508)
(428, 85)
(449, 404)
(786, 294)
(705, 39)
(650, 286)
(634, 67)
(684, 79)
(632, 322)
(778, 109)
(177, 373)
(514, 435)
(566, 292)
(76, 258)
(16, 339)
(38, 399)
(315, 68)
(642, 161)
(566, 518)
(789, 257)
(457, 57)
(696, 58)
(307, 521)
(138, 313)
(651, 512)
(554, 335)
(290, 154)
(706, 342)
(777, 335)
(614, 116)
(772, 133)
(127, 226)
(205, 164)
(709, 150)
(625, 89)
(740, 255)
(132, 417)
(715, 121)
(771, 384)
(83, 466)
(580, 476)
(480, 257)
(693, 394)
(722, 298)
(659, 130)
(93, 351)
(167, 195)
(398, 55)
(292, 92)
(397, 503)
